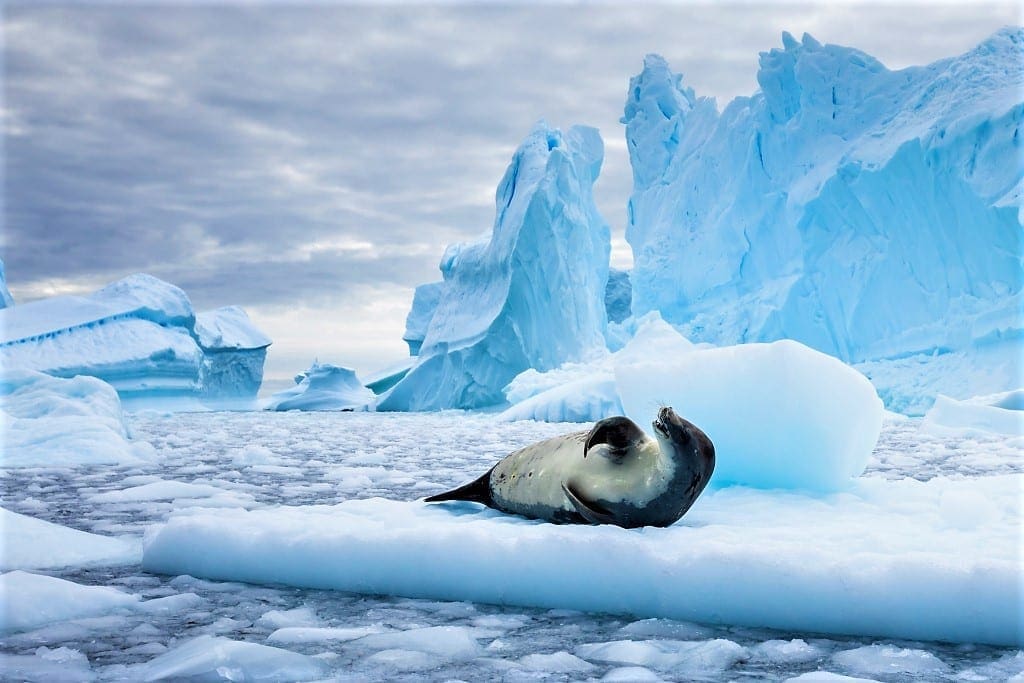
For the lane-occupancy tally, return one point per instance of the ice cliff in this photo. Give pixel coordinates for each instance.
(527, 296)
(872, 214)
(142, 336)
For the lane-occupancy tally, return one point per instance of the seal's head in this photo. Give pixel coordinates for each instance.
(620, 434)
(684, 437)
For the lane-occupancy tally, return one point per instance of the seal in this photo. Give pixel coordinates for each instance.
(613, 474)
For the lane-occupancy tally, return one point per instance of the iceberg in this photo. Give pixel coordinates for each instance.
(6, 300)
(142, 336)
(618, 296)
(31, 543)
(64, 422)
(324, 387)
(531, 295)
(871, 214)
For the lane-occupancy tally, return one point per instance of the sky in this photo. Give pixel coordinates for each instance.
(310, 162)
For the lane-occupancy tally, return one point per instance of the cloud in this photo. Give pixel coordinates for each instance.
(217, 146)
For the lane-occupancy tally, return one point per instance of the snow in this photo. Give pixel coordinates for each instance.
(30, 543)
(999, 413)
(781, 415)
(212, 658)
(63, 422)
(141, 335)
(530, 295)
(870, 214)
(891, 558)
(32, 600)
(324, 387)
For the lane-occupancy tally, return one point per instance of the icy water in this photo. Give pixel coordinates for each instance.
(267, 459)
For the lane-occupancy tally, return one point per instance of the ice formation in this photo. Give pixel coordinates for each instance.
(59, 422)
(142, 336)
(324, 387)
(529, 296)
(31, 600)
(933, 560)
(871, 214)
(1001, 413)
(30, 543)
(618, 296)
(6, 300)
(781, 415)
(213, 658)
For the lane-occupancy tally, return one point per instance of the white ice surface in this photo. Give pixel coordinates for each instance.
(29, 543)
(926, 560)
(31, 600)
(324, 387)
(212, 658)
(781, 415)
(999, 413)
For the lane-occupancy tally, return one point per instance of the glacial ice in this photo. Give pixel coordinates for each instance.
(527, 296)
(31, 600)
(56, 421)
(888, 558)
(30, 543)
(871, 214)
(142, 336)
(324, 387)
(6, 300)
(618, 296)
(781, 415)
(1000, 413)
(213, 658)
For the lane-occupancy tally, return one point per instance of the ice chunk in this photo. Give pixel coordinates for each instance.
(985, 413)
(889, 660)
(57, 422)
(47, 665)
(795, 651)
(450, 642)
(828, 677)
(679, 656)
(884, 562)
(324, 387)
(157, 490)
(557, 662)
(631, 674)
(868, 213)
(530, 295)
(781, 415)
(32, 600)
(310, 634)
(290, 618)
(30, 543)
(141, 335)
(212, 658)
(6, 300)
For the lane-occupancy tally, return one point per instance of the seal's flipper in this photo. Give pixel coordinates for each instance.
(477, 491)
(591, 512)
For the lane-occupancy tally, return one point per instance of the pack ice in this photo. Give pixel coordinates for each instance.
(141, 335)
(871, 214)
(531, 295)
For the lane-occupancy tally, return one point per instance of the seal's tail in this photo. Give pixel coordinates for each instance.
(478, 491)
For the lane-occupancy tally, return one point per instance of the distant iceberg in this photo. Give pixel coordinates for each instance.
(868, 213)
(6, 299)
(141, 335)
(531, 295)
(324, 387)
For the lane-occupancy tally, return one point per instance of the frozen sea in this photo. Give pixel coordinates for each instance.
(256, 460)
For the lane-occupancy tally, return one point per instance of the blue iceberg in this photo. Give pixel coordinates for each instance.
(324, 387)
(871, 214)
(531, 295)
(142, 336)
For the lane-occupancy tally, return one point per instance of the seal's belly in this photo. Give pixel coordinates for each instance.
(529, 481)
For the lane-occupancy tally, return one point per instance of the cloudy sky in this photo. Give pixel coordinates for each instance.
(310, 162)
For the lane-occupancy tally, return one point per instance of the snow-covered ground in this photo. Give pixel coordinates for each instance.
(274, 632)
